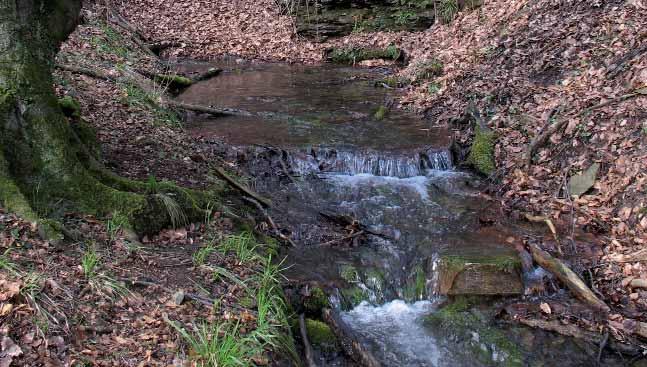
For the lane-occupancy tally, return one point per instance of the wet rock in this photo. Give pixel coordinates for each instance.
(480, 275)
(322, 20)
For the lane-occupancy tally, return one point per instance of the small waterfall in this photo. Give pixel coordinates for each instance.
(323, 160)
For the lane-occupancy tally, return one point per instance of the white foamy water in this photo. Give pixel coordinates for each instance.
(395, 332)
(417, 183)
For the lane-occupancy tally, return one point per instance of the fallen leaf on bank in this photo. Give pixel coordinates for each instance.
(545, 308)
(580, 184)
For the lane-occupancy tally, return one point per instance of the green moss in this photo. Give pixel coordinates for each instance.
(70, 106)
(381, 112)
(88, 136)
(353, 55)
(416, 285)
(321, 336)
(353, 296)
(428, 69)
(316, 301)
(174, 81)
(457, 319)
(481, 154)
(349, 273)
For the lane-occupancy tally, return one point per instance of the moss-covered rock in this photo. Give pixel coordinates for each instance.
(428, 69)
(495, 274)
(315, 301)
(460, 322)
(481, 154)
(321, 336)
(353, 55)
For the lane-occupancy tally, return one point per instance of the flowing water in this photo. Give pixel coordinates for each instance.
(317, 146)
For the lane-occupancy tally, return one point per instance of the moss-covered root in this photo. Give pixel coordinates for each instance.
(481, 154)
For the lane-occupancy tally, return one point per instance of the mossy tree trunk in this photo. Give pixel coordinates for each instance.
(44, 166)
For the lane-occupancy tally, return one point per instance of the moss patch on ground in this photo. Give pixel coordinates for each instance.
(353, 55)
(321, 336)
(481, 154)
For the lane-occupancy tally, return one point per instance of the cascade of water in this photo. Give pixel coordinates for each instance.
(370, 162)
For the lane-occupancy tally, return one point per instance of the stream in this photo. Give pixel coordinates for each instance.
(322, 146)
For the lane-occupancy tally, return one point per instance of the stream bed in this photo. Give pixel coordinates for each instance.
(373, 199)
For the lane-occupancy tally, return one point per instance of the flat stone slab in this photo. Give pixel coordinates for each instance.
(480, 274)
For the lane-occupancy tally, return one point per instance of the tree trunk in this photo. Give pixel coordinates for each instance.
(44, 167)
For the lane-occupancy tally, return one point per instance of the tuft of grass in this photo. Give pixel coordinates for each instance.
(243, 245)
(447, 10)
(217, 344)
(89, 262)
(173, 209)
(115, 224)
(7, 264)
(101, 283)
(202, 254)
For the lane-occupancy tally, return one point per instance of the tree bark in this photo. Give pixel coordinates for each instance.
(44, 167)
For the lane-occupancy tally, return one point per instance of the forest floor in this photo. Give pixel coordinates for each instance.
(568, 79)
(525, 65)
(101, 298)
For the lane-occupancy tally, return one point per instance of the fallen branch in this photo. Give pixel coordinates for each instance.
(551, 226)
(275, 228)
(568, 278)
(541, 139)
(306, 343)
(208, 110)
(352, 347)
(337, 240)
(574, 331)
(618, 65)
(240, 187)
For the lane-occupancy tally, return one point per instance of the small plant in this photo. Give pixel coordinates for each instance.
(89, 262)
(173, 210)
(200, 256)
(7, 264)
(243, 245)
(217, 344)
(447, 10)
(404, 17)
(433, 88)
(115, 224)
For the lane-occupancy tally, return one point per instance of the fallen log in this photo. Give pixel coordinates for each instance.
(208, 110)
(568, 278)
(310, 361)
(352, 347)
